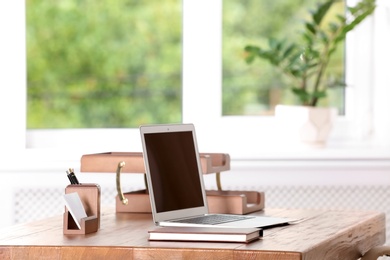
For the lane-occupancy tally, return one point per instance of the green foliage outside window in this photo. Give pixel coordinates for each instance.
(255, 90)
(93, 64)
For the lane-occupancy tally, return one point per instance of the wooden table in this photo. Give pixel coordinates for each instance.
(323, 235)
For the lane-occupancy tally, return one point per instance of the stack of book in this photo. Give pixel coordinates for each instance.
(207, 234)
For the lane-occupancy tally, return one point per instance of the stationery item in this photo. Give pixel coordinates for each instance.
(175, 181)
(72, 177)
(75, 207)
(216, 234)
(89, 197)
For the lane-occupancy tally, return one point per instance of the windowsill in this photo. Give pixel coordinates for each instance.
(330, 152)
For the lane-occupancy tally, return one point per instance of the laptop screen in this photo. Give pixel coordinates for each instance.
(174, 172)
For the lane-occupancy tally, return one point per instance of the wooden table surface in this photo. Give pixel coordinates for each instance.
(323, 235)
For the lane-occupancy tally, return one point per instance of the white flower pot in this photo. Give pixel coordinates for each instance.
(310, 125)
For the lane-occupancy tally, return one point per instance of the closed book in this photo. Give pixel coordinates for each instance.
(216, 234)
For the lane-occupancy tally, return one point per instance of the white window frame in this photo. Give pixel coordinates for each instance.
(248, 136)
(12, 75)
(242, 137)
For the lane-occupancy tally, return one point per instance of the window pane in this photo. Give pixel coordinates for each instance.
(255, 89)
(102, 64)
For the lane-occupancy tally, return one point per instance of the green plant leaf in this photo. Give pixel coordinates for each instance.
(250, 58)
(279, 46)
(288, 51)
(352, 9)
(252, 49)
(341, 18)
(251, 53)
(331, 51)
(302, 94)
(321, 11)
(306, 61)
(311, 27)
(295, 58)
(333, 27)
(323, 37)
(296, 72)
(319, 94)
(309, 38)
(273, 43)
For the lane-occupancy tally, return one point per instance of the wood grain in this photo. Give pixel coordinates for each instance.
(322, 235)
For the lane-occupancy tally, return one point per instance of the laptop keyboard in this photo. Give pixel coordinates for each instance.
(212, 219)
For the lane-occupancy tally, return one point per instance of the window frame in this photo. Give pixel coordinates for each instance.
(241, 136)
(256, 132)
(13, 75)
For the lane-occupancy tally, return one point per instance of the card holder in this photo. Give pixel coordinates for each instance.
(89, 194)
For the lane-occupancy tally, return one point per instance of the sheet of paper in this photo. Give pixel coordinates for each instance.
(75, 207)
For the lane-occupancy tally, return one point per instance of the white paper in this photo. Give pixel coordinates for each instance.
(75, 207)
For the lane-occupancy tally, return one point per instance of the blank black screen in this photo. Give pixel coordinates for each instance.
(173, 171)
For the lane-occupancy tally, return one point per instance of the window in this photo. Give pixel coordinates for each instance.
(250, 136)
(103, 64)
(255, 89)
(201, 93)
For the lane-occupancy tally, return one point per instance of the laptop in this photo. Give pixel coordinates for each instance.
(175, 181)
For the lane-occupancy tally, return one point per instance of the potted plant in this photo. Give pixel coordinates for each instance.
(306, 62)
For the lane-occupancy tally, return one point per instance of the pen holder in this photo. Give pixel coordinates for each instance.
(90, 197)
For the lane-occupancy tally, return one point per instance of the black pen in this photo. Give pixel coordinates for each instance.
(76, 181)
(69, 177)
(72, 177)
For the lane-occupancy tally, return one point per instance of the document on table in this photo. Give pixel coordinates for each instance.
(75, 207)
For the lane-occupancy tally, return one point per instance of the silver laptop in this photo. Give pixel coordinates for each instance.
(175, 181)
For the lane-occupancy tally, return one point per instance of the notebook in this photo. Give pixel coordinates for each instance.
(218, 234)
(175, 181)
